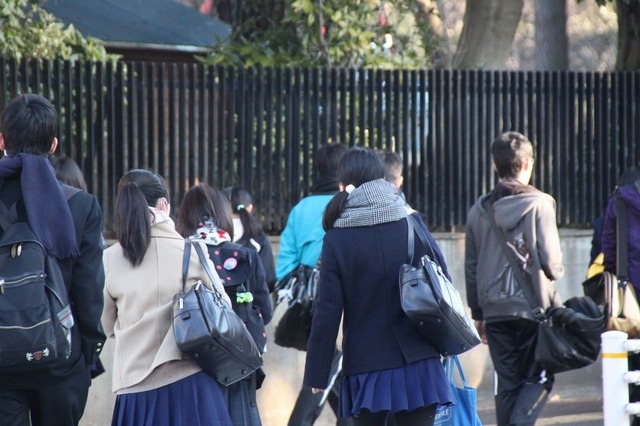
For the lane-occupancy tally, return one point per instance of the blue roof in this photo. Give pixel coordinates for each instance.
(158, 22)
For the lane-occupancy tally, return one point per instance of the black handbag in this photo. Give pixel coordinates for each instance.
(568, 335)
(206, 328)
(298, 290)
(432, 303)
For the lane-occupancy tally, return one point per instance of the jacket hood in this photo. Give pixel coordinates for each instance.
(510, 210)
(631, 195)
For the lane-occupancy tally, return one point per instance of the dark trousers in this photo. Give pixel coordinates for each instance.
(522, 387)
(309, 405)
(60, 404)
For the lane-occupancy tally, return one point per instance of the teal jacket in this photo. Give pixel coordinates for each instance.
(301, 240)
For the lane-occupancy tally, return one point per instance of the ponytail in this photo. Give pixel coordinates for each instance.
(132, 222)
(333, 210)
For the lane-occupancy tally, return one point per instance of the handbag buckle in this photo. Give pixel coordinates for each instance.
(538, 313)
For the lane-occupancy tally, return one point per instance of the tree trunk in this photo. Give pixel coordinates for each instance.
(628, 35)
(552, 44)
(487, 34)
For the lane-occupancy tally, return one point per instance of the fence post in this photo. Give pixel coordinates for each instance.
(615, 391)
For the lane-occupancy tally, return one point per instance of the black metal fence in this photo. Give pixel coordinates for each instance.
(258, 128)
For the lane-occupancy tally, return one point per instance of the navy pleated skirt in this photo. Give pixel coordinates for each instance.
(193, 401)
(406, 388)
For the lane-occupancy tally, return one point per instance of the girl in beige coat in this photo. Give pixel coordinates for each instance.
(155, 383)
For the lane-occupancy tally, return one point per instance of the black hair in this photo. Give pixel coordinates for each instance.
(68, 171)
(29, 124)
(138, 190)
(203, 202)
(357, 166)
(327, 158)
(240, 199)
(510, 151)
(392, 165)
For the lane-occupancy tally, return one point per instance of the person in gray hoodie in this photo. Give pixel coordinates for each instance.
(502, 315)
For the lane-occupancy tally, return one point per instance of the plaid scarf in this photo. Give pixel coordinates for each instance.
(372, 203)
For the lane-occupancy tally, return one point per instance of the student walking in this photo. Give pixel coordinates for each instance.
(388, 366)
(70, 229)
(156, 384)
(502, 314)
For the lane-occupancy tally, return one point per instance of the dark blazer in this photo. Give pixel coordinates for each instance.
(84, 278)
(359, 274)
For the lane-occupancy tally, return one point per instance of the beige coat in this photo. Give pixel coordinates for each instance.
(137, 308)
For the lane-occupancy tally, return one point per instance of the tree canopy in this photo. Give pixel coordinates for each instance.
(26, 30)
(326, 33)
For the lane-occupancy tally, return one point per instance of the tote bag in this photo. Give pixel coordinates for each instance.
(464, 413)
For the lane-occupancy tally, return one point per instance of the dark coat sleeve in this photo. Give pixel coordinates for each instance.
(85, 275)
(268, 263)
(259, 288)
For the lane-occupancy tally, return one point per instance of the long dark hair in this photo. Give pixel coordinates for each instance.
(138, 190)
(240, 199)
(203, 202)
(357, 166)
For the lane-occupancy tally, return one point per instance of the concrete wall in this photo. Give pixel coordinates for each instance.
(284, 367)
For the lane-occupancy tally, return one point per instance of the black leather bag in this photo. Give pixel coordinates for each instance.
(206, 328)
(569, 336)
(298, 290)
(433, 304)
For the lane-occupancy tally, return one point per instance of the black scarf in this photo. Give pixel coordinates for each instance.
(325, 184)
(47, 209)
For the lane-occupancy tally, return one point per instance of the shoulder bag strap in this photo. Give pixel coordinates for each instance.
(186, 258)
(205, 264)
(622, 268)
(410, 241)
(515, 265)
(423, 238)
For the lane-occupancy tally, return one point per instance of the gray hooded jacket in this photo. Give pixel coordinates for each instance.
(527, 216)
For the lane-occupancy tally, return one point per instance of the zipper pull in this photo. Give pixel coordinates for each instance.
(1, 286)
(181, 303)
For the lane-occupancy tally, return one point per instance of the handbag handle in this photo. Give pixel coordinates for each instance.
(207, 269)
(413, 225)
(454, 362)
(186, 257)
(515, 266)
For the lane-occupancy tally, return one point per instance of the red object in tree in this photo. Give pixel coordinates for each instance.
(205, 7)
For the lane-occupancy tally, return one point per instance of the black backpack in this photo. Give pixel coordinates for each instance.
(232, 262)
(35, 315)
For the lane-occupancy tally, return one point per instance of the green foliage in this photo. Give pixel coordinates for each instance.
(26, 30)
(340, 33)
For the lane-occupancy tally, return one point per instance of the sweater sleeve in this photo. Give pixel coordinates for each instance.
(288, 255)
(549, 249)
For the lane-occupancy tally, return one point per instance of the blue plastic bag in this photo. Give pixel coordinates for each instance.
(464, 413)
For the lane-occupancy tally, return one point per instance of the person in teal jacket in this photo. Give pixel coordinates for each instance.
(301, 244)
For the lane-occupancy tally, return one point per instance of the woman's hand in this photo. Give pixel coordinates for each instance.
(316, 390)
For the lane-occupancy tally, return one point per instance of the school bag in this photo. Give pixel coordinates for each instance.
(35, 315)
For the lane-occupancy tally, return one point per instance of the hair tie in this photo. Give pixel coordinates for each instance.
(349, 188)
(240, 207)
